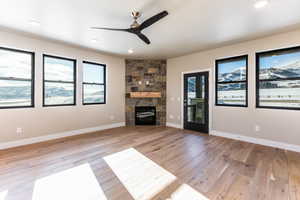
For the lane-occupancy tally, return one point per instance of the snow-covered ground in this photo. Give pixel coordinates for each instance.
(49, 101)
(284, 97)
(15, 102)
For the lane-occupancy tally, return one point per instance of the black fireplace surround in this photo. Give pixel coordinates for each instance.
(145, 115)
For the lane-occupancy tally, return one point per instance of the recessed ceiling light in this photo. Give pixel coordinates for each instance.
(130, 51)
(261, 3)
(34, 23)
(94, 40)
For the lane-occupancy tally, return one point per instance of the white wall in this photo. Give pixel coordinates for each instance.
(277, 125)
(40, 121)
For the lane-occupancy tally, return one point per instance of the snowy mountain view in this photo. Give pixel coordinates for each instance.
(238, 74)
(15, 83)
(232, 93)
(56, 94)
(15, 65)
(291, 70)
(15, 95)
(281, 93)
(273, 90)
(93, 94)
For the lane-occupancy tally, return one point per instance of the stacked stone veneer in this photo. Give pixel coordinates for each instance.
(146, 76)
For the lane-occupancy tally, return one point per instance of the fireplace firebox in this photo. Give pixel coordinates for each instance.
(145, 115)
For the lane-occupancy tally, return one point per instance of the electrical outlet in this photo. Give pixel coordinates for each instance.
(19, 131)
(257, 128)
(112, 117)
(171, 117)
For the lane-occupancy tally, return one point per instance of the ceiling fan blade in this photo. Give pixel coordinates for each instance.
(144, 38)
(153, 19)
(110, 29)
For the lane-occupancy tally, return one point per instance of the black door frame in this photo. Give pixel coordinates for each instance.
(191, 126)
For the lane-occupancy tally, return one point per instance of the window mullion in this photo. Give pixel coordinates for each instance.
(52, 81)
(88, 83)
(280, 79)
(14, 79)
(231, 82)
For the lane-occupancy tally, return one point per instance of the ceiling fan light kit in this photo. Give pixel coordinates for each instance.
(136, 28)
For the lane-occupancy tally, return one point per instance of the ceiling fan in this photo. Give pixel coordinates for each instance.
(137, 28)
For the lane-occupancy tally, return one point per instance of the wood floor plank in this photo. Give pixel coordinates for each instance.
(239, 189)
(214, 167)
(294, 175)
(222, 186)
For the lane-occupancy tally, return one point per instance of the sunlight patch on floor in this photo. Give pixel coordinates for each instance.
(142, 177)
(77, 183)
(185, 192)
(3, 195)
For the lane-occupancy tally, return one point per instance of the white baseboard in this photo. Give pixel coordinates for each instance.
(270, 143)
(174, 125)
(33, 140)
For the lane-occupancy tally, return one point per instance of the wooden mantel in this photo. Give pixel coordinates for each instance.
(144, 95)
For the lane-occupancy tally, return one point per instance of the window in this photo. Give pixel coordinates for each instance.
(278, 79)
(93, 83)
(16, 78)
(232, 81)
(59, 81)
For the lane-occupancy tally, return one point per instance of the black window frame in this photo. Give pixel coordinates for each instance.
(73, 82)
(258, 80)
(230, 82)
(32, 80)
(87, 83)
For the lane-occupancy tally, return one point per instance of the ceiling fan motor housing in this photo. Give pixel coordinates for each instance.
(135, 16)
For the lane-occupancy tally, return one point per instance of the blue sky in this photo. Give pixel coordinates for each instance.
(58, 69)
(231, 66)
(279, 60)
(58, 61)
(63, 70)
(265, 62)
(16, 65)
(92, 73)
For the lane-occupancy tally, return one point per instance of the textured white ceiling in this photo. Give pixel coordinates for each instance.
(192, 25)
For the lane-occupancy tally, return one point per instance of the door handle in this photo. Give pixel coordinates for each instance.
(184, 102)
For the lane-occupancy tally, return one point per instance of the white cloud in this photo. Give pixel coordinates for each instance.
(15, 65)
(58, 72)
(14, 83)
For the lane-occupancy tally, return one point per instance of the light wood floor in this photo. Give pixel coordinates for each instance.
(216, 168)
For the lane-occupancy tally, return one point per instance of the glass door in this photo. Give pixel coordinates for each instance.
(196, 114)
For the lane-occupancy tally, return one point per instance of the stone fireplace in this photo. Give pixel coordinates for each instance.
(146, 76)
